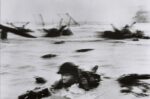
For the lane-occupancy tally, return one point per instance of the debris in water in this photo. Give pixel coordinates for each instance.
(84, 50)
(59, 42)
(49, 56)
(135, 39)
(40, 80)
(131, 82)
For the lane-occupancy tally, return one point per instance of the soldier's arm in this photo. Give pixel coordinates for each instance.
(57, 85)
(39, 93)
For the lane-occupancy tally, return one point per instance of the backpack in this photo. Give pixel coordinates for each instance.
(88, 80)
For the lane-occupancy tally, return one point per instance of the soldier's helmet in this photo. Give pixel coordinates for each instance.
(68, 68)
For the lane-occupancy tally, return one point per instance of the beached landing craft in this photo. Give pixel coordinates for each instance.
(119, 35)
(124, 33)
(54, 32)
(21, 31)
(63, 30)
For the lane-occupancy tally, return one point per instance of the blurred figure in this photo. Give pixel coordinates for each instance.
(71, 75)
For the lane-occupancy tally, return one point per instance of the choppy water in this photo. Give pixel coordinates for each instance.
(21, 60)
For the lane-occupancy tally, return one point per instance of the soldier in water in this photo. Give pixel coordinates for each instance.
(70, 75)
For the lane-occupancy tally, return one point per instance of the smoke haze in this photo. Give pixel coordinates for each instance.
(116, 11)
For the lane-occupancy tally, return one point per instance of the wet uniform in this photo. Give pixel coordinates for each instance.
(87, 80)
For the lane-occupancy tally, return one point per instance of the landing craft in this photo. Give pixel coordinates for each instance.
(54, 32)
(63, 30)
(124, 33)
(21, 31)
(120, 35)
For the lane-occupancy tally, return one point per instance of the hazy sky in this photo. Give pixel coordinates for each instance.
(81, 10)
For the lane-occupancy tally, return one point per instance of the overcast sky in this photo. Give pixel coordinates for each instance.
(81, 10)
